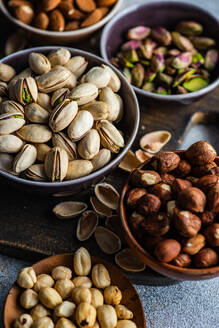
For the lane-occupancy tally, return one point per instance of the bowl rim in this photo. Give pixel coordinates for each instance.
(114, 162)
(136, 7)
(150, 260)
(79, 32)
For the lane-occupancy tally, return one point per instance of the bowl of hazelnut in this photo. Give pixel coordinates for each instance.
(170, 209)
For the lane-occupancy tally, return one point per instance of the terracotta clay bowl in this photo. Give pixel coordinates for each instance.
(165, 269)
(130, 297)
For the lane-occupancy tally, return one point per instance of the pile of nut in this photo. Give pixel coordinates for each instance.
(164, 62)
(173, 206)
(60, 15)
(87, 301)
(55, 119)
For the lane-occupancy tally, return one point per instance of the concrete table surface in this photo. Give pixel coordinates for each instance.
(187, 304)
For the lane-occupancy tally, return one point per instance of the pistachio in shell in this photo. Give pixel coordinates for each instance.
(89, 146)
(56, 164)
(63, 115)
(78, 168)
(98, 76)
(80, 126)
(101, 159)
(10, 144)
(69, 210)
(142, 155)
(114, 103)
(42, 150)
(114, 224)
(26, 90)
(53, 80)
(195, 84)
(154, 141)
(110, 137)
(36, 114)
(10, 106)
(6, 162)
(99, 109)
(59, 96)
(107, 240)
(60, 139)
(128, 261)
(87, 225)
(11, 122)
(39, 63)
(59, 56)
(7, 72)
(84, 93)
(35, 133)
(43, 100)
(3, 89)
(77, 65)
(25, 158)
(36, 172)
(129, 162)
(100, 208)
(107, 195)
(114, 83)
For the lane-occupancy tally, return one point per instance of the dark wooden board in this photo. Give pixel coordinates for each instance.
(27, 227)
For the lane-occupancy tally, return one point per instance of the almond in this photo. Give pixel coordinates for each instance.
(66, 8)
(57, 21)
(104, 10)
(17, 3)
(107, 3)
(24, 13)
(49, 5)
(93, 18)
(77, 15)
(41, 21)
(71, 26)
(86, 5)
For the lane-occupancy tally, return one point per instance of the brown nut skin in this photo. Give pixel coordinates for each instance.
(134, 195)
(163, 191)
(167, 178)
(157, 224)
(206, 258)
(193, 245)
(207, 218)
(200, 153)
(199, 171)
(183, 169)
(135, 221)
(206, 182)
(148, 204)
(186, 223)
(150, 242)
(192, 199)
(167, 250)
(193, 180)
(145, 178)
(182, 261)
(180, 184)
(212, 234)
(165, 161)
(213, 199)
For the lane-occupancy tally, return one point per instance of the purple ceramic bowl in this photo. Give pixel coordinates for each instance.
(129, 124)
(168, 14)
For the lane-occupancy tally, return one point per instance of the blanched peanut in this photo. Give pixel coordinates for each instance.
(49, 297)
(43, 280)
(126, 324)
(61, 272)
(123, 312)
(29, 298)
(100, 276)
(65, 323)
(64, 287)
(66, 309)
(86, 315)
(112, 295)
(82, 281)
(39, 311)
(81, 294)
(96, 297)
(107, 316)
(82, 262)
(26, 278)
(44, 322)
(24, 321)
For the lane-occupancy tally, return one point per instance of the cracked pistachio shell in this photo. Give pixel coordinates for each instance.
(114, 83)
(43, 100)
(6, 162)
(3, 89)
(99, 110)
(107, 240)
(10, 106)
(182, 42)
(39, 63)
(69, 210)
(53, 80)
(129, 162)
(36, 114)
(101, 159)
(42, 150)
(78, 168)
(59, 96)
(6, 72)
(98, 76)
(59, 56)
(36, 172)
(11, 122)
(56, 164)
(81, 124)
(62, 115)
(61, 140)
(71, 82)
(154, 141)
(87, 225)
(77, 65)
(26, 90)
(107, 195)
(84, 93)
(10, 144)
(114, 102)
(35, 133)
(25, 158)
(107, 316)
(100, 208)
(110, 137)
(127, 260)
(82, 262)
(89, 146)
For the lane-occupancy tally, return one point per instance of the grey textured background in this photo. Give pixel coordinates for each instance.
(187, 304)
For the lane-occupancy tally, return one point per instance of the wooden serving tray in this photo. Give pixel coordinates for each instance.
(28, 228)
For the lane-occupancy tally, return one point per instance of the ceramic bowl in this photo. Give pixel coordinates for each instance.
(165, 269)
(129, 124)
(41, 37)
(167, 14)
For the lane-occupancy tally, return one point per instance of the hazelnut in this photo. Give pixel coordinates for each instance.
(192, 199)
(26, 278)
(24, 321)
(213, 199)
(171, 205)
(163, 191)
(112, 295)
(186, 223)
(182, 261)
(207, 257)
(206, 182)
(145, 178)
(200, 153)
(193, 245)
(167, 178)
(28, 299)
(183, 169)
(201, 170)
(212, 234)
(43, 280)
(149, 204)
(165, 161)
(207, 218)
(134, 195)
(156, 224)
(180, 184)
(167, 250)
(61, 272)
(64, 287)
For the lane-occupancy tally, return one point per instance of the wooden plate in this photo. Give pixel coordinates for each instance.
(130, 297)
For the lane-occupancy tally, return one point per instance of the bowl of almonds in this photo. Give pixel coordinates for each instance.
(59, 21)
(66, 119)
(69, 291)
(169, 210)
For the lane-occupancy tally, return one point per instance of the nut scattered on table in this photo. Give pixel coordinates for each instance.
(173, 210)
(58, 120)
(177, 62)
(98, 305)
